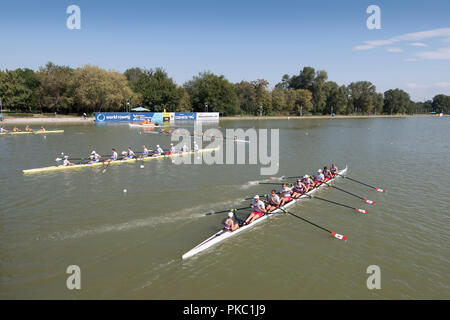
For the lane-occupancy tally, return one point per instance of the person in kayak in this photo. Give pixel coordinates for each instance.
(298, 189)
(285, 193)
(259, 210)
(229, 224)
(273, 202)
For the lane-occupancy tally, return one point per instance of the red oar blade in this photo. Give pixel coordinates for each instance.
(362, 210)
(380, 190)
(369, 201)
(339, 236)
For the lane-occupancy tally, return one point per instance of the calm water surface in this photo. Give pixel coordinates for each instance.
(129, 245)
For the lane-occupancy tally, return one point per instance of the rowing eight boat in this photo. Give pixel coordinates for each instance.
(224, 234)
(32, 132)
(96, 164)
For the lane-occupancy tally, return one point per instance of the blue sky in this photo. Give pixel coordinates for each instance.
(243, 40)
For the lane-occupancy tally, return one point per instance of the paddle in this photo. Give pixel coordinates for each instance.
(223, 211)
(359, 197)
(367, 185)
(339, 204)
(334, 234)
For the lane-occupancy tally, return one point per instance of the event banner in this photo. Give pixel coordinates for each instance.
(155, 117)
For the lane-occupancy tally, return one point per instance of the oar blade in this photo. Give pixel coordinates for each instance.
(362, 211)
(369, 201)
(339, 236)
(380, 190)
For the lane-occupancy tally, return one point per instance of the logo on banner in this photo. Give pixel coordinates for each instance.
(100, 117)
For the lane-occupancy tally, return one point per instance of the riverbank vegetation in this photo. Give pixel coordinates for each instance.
(91, 89)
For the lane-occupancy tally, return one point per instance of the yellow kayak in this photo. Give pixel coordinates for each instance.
(97, 164)
(33, 132)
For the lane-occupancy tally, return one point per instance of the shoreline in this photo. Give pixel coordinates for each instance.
(91, 120)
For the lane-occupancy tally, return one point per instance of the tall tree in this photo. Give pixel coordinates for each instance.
(18, 88)
(396, 101)
(212, 90)
(362, 97)
(441, 103)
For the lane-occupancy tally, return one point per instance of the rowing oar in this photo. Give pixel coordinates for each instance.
(339, 204)
(334, 234)
(212, 212)
(88, 158)
(367, 185)
(355, 195)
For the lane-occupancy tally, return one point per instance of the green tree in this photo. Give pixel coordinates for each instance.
(215, 91)
(362, 97)
(97, 90)
(18, 88)
(337, 98)
(441, 103)
(54, 93)
(396, 101)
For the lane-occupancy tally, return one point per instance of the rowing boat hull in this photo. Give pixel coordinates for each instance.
(223, 235)
(98, 164)
(34, 132)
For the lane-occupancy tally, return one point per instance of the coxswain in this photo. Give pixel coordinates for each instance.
(95, 157)
(285, 193)
(229, 224)
(298, 189)
(158, 151)
(334, 170)
(258, 210)
(273, 202)
(326, 173)
(66, 162)
(130, 154)
(28, 129)
(318, 178)
(308, 183)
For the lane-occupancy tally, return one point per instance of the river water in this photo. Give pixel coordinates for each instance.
(128, 245)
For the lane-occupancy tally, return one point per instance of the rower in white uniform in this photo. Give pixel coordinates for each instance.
(258, 210)
(2, 130)
(95, 157)
(285, 193)
(145, 152)
(184, 148)
(229, 224)
(308, 183)
(195, 147)
(66, 162)
(171, 150)
(130, 154)
(158, 151)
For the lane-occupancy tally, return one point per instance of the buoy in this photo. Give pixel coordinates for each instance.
(142, 166)
(124, 190)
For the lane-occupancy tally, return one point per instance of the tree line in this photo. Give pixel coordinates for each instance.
(89, 89)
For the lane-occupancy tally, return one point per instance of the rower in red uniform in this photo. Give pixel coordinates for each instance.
(326, 173)
(229, 224)
(318, 178)
(299, 189)
(334, 170)
(258, 210)
(307, 181)
(285, 193)
(273, 202)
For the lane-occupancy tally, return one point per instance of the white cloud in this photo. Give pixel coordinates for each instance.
(418, 44)
(439, 54)
(411, 59)
(415, 36)
(394, 49)
(443, 85)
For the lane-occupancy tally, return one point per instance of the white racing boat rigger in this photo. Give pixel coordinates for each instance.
(224, 234)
